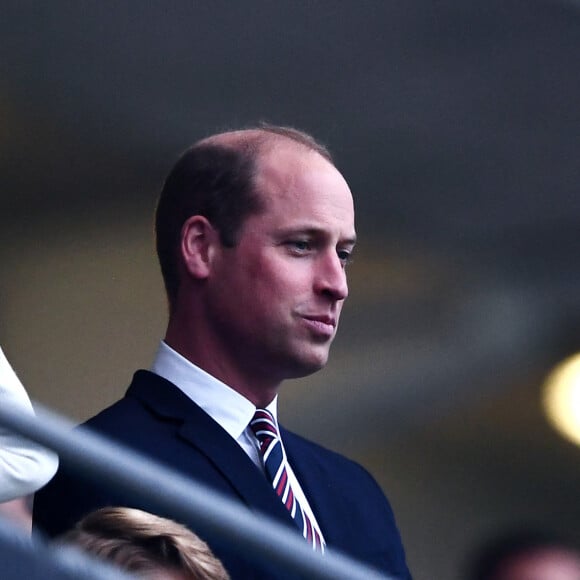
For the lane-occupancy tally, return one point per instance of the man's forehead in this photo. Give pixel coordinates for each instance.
(307, 189)
(284, 162)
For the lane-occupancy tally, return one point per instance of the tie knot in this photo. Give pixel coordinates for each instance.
(263, 425)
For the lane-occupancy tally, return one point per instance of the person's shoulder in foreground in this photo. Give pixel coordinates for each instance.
(25, 466)
(254, 231)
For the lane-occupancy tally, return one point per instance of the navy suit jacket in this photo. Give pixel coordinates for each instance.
(157, 419)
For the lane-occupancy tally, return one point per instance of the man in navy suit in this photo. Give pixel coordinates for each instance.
(254, 231)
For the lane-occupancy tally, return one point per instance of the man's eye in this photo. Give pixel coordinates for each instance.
(345, 256)
(299, 245)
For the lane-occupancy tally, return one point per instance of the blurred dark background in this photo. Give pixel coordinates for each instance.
(457, 125)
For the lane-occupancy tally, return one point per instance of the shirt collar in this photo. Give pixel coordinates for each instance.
(224, 405)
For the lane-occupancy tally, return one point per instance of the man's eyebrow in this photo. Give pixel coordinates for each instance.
(313, 231)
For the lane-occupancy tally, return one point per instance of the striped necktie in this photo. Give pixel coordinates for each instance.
(274, 459)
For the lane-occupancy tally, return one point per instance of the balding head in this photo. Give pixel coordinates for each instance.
(267, 137)
(215, 179)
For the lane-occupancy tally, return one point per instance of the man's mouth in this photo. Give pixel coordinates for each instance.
(321, 324)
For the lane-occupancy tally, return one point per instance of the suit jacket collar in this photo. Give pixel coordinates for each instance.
(200, 431)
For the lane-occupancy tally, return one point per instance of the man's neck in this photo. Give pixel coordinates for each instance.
(255, 388)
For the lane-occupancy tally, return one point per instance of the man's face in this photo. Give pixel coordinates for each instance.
(276, 297)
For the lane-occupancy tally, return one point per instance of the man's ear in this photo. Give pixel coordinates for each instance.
(198, 238)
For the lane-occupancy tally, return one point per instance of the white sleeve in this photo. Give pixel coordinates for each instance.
(25, 466)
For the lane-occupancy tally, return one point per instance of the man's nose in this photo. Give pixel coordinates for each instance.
(331, 277)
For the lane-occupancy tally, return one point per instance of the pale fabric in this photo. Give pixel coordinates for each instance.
(232, 411)
(25, 466)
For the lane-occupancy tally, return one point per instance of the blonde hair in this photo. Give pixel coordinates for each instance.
(138, 541)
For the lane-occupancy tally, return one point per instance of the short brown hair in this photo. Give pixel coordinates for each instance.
(138, 541)
(215, 180)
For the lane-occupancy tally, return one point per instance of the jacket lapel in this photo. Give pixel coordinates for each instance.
(209, 439)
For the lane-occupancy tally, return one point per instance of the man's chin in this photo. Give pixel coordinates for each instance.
(305, 366)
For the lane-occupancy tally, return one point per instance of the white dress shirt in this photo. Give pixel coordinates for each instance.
(232, 411)
(25, 466)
